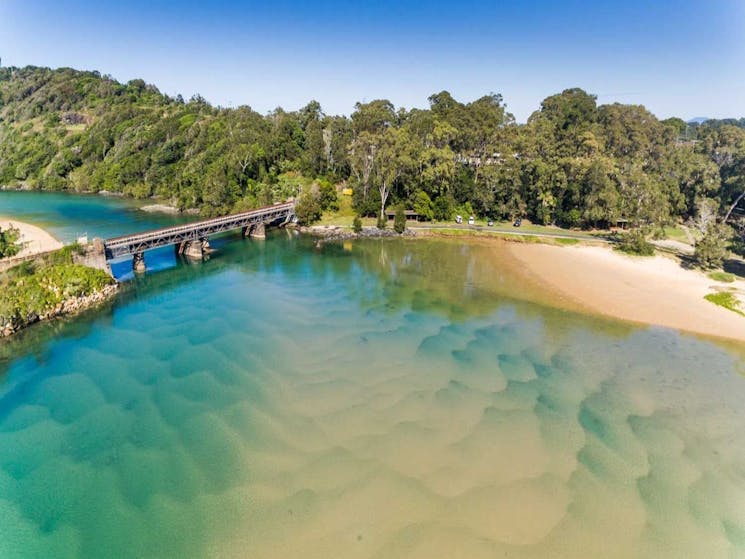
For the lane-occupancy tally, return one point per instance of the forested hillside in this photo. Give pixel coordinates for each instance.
(575, 163)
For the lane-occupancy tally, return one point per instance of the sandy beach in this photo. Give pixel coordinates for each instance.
(33, 238)
(653, 290)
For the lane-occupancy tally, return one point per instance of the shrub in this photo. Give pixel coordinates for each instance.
(327, 195)
(635, 242)
(382, 222)
(357, 224)
(29, 291)
(9, 242)
(399, 220)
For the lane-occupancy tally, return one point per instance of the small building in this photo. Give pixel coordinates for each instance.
(411, 215)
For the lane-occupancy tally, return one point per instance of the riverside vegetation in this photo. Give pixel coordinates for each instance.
(49, 286)
(574, 163)
(9, 245)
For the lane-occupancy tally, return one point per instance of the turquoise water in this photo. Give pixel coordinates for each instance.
(374, 399)
(70, 216)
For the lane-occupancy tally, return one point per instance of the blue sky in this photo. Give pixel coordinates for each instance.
(682, 58)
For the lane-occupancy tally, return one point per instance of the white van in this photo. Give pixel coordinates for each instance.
(471, 221)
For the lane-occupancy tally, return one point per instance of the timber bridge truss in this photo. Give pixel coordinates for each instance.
(191, 239)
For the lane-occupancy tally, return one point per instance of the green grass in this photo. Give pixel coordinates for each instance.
(344, 216)
(725, 277)
(725, 299)
(478, 233)
(564, 241)
(676, 233)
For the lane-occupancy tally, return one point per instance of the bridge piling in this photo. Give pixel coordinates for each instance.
(195, 249)
(138, 262)
(258, 231)
(254, 231)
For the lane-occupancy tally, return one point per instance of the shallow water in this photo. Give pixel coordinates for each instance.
(373, 399)
(69, 216)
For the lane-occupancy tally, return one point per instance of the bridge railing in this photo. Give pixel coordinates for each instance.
(176, 230)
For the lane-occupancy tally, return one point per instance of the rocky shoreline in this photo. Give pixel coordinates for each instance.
(68, 307)
(340, 233)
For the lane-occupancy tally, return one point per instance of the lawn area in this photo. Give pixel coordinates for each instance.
(344, 216)
(676, 233)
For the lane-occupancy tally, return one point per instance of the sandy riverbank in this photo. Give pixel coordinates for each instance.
(653, 290)
(33, 238)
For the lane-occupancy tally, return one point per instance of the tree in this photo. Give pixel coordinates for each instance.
(393, 158)
(399, 220)
(443, 209)
(362, 156)
(374, 117)
(711, 249)
(308, 209)
(573, 163)
(635, 242)
(423, 206)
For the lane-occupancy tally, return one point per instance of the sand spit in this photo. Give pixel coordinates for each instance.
(652, 290)
(161, 208)
(34, 239)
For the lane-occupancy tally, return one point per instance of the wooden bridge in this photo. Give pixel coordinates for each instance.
(191, 239)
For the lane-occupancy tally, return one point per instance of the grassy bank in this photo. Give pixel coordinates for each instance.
(47, 287)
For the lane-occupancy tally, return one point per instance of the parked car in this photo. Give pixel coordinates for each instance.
(458, 219)
(490, 223)
(471, 221)
(517, 222)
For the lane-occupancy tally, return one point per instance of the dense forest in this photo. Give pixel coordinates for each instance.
(574, 163)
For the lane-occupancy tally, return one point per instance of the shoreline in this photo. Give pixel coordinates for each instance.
(67, 308)
(34, 239)
(585, 277)
(654, 291)
(38, 243)
(592, 278)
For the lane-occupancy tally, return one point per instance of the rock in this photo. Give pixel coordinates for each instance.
(336, 233)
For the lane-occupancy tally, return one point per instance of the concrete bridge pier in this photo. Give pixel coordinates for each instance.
(138, 262)
(259, 231)
(193, 249)
(254, 231)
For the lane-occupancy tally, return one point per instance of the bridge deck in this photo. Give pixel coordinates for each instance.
(139, 242)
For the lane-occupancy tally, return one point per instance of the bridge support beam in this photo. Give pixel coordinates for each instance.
(193, 249)
(258, 231)
(254, 231)
(138, 262)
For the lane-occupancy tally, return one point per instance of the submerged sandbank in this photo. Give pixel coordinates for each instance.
(648, 290)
